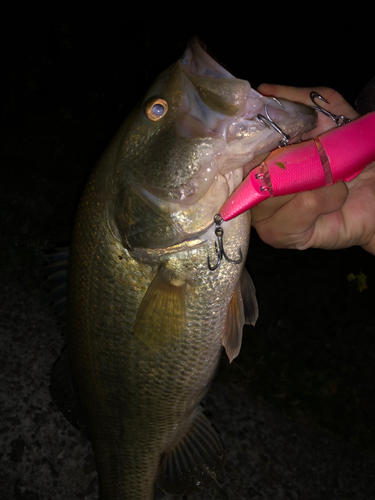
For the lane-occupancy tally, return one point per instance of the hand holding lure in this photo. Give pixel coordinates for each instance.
(337, 155)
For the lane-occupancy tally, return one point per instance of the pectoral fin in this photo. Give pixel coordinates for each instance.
(243, 309)
(161, 315)
(195, 461)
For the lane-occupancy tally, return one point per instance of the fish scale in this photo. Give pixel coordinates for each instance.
(147, 318)
(152, 373)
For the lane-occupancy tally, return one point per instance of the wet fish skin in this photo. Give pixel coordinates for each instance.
(147, 318)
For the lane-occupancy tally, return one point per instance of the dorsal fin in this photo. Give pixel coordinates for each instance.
(62, 387)
(196, 461)
(56, 280)
(64, 394)
(242, 309)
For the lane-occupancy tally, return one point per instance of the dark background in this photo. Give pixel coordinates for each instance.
(69, 85)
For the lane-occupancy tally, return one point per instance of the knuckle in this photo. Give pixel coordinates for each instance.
(307, 202)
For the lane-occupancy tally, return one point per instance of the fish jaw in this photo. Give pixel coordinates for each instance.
(226, 108)
(248, 137)
(213, 132)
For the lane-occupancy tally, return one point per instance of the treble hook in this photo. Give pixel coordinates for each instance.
(267, 120)
(219, 247)
(339, 120)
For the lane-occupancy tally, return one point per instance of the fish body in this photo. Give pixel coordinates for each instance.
(147, 318)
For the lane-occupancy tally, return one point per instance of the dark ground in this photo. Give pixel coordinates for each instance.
(308, 368)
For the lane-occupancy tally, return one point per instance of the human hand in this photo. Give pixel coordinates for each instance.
(337, 216)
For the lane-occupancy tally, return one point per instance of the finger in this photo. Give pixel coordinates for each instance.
(300, 94)
(323, 200)
(268, 207)
(292, 224)
(337, 103)
(296, 94)
(370, 246)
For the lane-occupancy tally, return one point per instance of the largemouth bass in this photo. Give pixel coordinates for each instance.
(147, 318)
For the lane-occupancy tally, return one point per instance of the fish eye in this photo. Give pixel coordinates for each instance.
(156, 108)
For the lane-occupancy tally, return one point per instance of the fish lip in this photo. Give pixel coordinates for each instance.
(204, 47)
(293, 119)
(243, 126)
(200, 42)
(234, 178)
(199, 61)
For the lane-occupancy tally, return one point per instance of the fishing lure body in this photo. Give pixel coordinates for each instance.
(338, 155)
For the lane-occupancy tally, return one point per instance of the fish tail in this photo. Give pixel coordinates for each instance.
(195, 461)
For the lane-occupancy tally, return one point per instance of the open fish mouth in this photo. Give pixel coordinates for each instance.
(228, 112)
(209, 137)
(216, 131)
(234, 179)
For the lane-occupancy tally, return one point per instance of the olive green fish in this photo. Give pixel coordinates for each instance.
(147, 318)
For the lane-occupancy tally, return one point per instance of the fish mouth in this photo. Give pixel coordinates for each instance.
(217, 139)
(219, 106)
(217, 131)
(198, 61)
(234, 178)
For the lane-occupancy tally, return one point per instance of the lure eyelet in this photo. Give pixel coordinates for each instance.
(156, 108)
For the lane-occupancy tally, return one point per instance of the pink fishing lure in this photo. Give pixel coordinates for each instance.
(338, 155)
